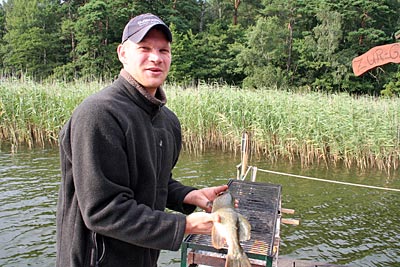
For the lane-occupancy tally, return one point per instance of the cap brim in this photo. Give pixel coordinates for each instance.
(138, 37)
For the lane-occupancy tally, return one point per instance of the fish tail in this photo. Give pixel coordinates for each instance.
(241, 261)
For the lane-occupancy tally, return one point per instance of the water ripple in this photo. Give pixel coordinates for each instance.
(28, 189)
(338, 224)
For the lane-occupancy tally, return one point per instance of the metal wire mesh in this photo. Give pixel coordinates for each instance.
(259, 203)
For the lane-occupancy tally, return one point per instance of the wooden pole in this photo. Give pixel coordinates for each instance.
(244, 155)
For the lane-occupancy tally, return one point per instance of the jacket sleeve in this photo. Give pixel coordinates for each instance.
(100, 172)
(176, 190)
(176, 194)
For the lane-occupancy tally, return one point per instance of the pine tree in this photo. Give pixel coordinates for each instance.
(31, 40)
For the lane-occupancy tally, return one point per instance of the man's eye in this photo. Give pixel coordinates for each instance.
(144, 48)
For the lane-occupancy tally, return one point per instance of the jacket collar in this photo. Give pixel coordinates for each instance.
(151, 104)
(159, 99)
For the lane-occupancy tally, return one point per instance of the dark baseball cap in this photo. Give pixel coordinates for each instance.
(139, 26)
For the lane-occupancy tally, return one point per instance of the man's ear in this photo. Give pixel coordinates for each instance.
(121, 51)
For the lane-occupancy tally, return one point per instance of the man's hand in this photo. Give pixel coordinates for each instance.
(203, 197)
(199, 223)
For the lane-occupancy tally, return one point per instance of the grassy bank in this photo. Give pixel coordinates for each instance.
(314, 127)
(32, 114)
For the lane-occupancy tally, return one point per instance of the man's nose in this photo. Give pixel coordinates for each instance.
(155, 56)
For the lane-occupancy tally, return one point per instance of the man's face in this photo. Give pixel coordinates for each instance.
(148, 61)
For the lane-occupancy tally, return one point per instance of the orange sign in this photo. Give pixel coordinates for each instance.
(377, 56)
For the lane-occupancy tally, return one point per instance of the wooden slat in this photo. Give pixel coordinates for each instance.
(215, 259)
(290, 221)
(287, 211)
(218, 260)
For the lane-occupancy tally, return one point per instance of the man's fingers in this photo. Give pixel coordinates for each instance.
(220, 189)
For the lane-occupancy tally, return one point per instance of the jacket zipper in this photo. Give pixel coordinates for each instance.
(95, 260)
(160, 155)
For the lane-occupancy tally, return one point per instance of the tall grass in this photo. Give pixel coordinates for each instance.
(314, 127)
(32, 114)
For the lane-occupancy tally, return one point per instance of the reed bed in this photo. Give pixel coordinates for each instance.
(32, 114)
(313, 127)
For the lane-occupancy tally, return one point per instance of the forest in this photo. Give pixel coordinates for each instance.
(307, 45)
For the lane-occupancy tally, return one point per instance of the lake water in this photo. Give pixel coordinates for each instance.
(339, 223)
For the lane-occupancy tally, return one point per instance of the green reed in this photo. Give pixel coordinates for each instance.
(313, 127)
(32, 114)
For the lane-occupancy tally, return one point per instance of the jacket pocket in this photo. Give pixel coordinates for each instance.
(98, 250)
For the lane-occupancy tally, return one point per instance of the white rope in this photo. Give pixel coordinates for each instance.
(331, 181)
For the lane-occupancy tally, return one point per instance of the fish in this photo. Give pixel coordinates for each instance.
(230, 227)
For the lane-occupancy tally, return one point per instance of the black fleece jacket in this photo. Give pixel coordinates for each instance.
(117, 152)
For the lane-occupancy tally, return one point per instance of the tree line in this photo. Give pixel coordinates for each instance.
(303, 44)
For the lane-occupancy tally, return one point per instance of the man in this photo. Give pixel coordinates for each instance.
(117, 152)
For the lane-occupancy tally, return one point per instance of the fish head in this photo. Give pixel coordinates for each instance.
(223, 200)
